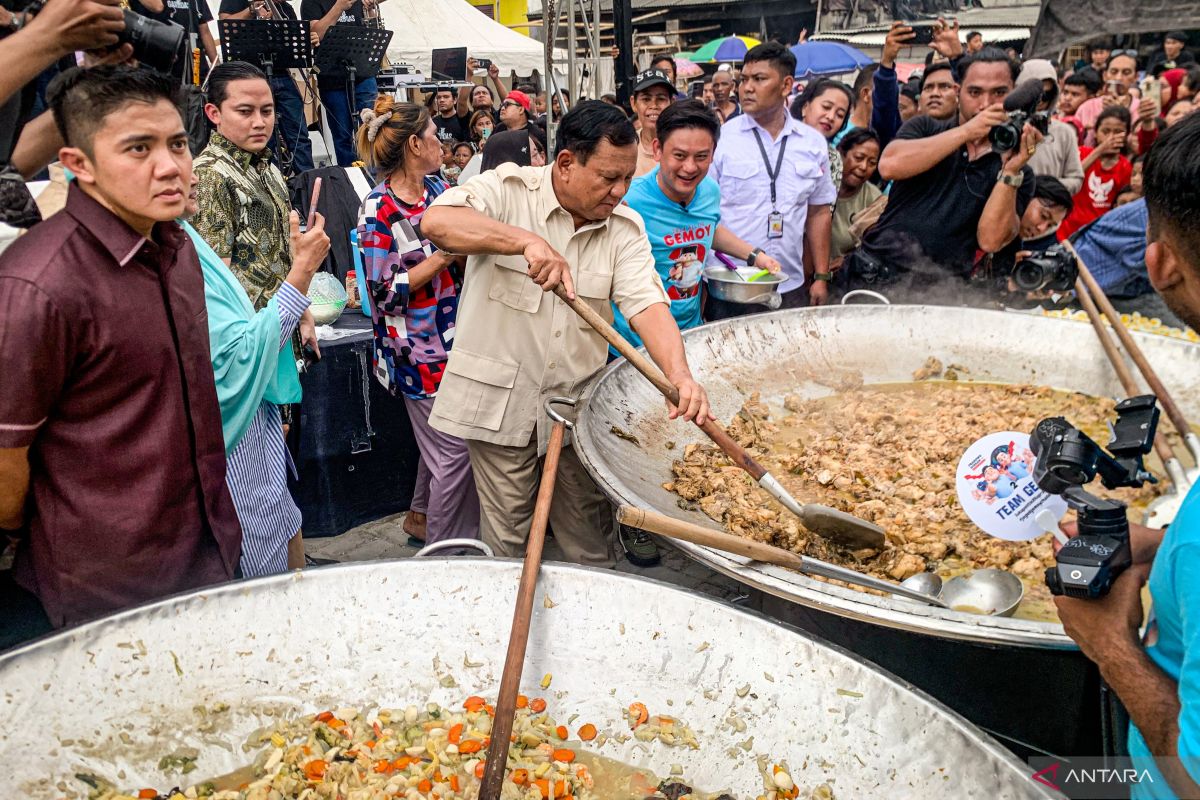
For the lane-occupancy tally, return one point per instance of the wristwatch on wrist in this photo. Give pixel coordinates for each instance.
(822, 276)
(754, 254)
(1011, 180)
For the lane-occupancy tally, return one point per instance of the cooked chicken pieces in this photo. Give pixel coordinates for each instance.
(887, 454)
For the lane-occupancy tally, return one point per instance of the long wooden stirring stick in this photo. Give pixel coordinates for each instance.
(514, 661)
(1135, 353)
(1124, 375)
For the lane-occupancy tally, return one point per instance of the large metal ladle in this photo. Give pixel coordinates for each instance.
(760, 551)
(992, 592)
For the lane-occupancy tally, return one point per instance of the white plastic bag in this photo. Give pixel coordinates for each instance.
(328, 298)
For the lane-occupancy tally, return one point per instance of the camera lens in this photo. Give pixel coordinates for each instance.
(155, 44)
(1029, 275)
(1005, 137)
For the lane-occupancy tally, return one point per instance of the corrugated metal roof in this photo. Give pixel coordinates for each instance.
(1001, 16)
(876, 38)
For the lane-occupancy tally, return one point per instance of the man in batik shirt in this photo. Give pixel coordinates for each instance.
(243, 216)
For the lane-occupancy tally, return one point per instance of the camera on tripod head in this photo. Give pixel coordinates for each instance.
(1067, 459)
(1054, 269)
(1022, 107)
(155, 44)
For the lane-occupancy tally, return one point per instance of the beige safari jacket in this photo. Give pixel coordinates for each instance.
(515, 345)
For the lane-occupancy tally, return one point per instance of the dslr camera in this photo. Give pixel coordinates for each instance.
(1067, 459)
(155, 44)
(1054, 269)
(1007, 136)
(1022, 107)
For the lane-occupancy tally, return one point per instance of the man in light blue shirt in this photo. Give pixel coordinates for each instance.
(776, 185)
(681, 207)
(1157, 677)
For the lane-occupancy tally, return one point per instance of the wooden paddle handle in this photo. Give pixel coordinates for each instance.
(697, 534)
(711, 427)
(1139, 358)
(1118, 362)
(514, 661)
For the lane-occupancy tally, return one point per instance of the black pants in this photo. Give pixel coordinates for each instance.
(21, 614)
(715, 309)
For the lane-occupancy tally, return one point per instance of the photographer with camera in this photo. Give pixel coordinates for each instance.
(955, 191)
(1157, 677)
(31, 40)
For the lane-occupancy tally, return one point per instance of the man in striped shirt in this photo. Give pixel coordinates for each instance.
(252, 362)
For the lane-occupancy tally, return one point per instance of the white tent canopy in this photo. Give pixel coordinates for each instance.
(422, 25)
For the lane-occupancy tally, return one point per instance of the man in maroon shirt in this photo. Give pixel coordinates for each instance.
(112, 462)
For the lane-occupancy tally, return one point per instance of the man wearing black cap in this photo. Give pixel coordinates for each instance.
(652, 93)
(1172, 55)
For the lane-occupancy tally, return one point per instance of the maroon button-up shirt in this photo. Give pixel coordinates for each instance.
(105, 374)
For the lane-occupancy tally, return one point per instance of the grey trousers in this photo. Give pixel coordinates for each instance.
(451, 502)
(508, 477)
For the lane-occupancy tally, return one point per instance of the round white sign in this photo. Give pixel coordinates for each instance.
(996, 487)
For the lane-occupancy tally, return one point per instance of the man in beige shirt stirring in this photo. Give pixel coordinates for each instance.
(526, 230)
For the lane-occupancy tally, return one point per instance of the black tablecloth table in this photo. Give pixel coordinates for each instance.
(357, 455)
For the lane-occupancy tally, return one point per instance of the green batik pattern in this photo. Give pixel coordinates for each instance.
(243, 215)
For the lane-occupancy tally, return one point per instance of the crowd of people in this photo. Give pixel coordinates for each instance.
(154, 329)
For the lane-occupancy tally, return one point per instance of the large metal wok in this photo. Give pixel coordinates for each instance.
(114, 696)
(772, 354)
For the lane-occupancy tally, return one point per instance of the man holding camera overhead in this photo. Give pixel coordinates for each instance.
(193, 16)
(954, 194)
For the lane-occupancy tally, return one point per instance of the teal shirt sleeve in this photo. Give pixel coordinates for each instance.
(1185, 574)
(247, 362)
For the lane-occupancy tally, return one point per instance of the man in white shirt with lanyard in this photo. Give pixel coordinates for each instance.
(773, 171)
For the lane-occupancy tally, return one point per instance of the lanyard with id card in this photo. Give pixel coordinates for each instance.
(775, 218)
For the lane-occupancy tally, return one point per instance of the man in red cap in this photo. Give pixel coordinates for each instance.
(516, 111)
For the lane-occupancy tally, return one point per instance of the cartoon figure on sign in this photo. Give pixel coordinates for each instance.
(994, 484)
(1014, 468)
(994, 479)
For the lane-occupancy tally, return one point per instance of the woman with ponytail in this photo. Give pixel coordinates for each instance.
(414, 290)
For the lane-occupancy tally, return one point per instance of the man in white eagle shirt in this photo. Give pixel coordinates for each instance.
(765, 141)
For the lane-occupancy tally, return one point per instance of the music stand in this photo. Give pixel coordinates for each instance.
(353, 51)
(273, 44)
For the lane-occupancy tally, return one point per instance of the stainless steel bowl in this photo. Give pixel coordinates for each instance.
(725, 284)
(114, 696)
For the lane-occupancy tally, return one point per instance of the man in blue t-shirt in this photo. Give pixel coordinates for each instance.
(681, 207)
(1158, 678)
